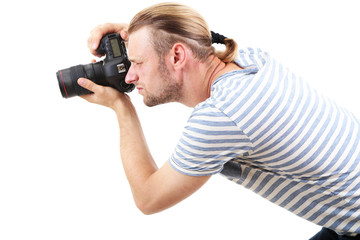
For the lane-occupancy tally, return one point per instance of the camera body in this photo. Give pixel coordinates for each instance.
(111, 71)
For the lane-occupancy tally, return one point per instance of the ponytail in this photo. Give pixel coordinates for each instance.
(231, 50)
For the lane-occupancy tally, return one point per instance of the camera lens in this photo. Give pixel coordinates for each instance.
(68, 77)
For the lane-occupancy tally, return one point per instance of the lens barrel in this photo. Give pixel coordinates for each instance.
(68, 78)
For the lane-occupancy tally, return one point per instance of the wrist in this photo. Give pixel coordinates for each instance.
(123, 106)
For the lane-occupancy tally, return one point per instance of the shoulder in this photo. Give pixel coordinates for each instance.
(252, 57)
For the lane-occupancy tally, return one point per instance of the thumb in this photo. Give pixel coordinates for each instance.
(86, 83)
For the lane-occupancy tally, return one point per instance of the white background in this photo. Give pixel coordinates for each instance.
(60, 171)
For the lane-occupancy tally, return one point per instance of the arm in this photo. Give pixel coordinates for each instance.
(153, 189)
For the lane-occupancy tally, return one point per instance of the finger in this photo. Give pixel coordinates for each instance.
(93, 43)
(88, 97)
(97, 33)
(94, 40)
(89, 85)
(124, 35)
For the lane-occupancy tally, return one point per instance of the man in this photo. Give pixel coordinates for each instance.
(254, 122)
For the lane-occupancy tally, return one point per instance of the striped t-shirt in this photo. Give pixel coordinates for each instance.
(269, 131)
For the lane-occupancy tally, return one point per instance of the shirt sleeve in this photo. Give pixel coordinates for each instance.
(209, 140)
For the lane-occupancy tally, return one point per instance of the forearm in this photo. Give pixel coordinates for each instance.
(137, 161)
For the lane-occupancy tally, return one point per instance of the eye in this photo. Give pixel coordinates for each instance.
(135, 63)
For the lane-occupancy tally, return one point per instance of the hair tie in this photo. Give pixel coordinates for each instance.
(217, 38)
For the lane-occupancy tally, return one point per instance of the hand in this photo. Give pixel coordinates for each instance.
(101, 95)
(97, 33)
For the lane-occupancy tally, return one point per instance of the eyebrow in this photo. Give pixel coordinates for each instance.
(139, 59)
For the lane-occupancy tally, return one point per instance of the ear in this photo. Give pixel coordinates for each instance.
(178, 55)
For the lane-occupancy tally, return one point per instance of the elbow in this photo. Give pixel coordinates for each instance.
(147, 208)
(146, 211)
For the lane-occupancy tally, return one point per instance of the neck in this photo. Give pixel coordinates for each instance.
(215, 70)
(199, 78)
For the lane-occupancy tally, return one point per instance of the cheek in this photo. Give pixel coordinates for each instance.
(150, 77)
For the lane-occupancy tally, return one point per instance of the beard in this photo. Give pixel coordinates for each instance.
(171, 90)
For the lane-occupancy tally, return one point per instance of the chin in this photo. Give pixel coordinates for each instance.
(154, 102)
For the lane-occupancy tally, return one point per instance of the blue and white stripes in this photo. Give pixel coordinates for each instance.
(206, 145)
(266, 129)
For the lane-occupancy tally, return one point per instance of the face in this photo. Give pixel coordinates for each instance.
(149, 73)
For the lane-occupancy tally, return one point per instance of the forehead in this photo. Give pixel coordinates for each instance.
(139, 45)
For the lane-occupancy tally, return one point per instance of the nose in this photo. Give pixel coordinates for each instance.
(131, 76)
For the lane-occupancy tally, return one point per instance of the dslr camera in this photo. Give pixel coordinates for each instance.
(109, 72)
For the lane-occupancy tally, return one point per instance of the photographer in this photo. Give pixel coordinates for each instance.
(254, 122)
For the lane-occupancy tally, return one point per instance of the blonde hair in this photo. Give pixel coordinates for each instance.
(172, 22)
